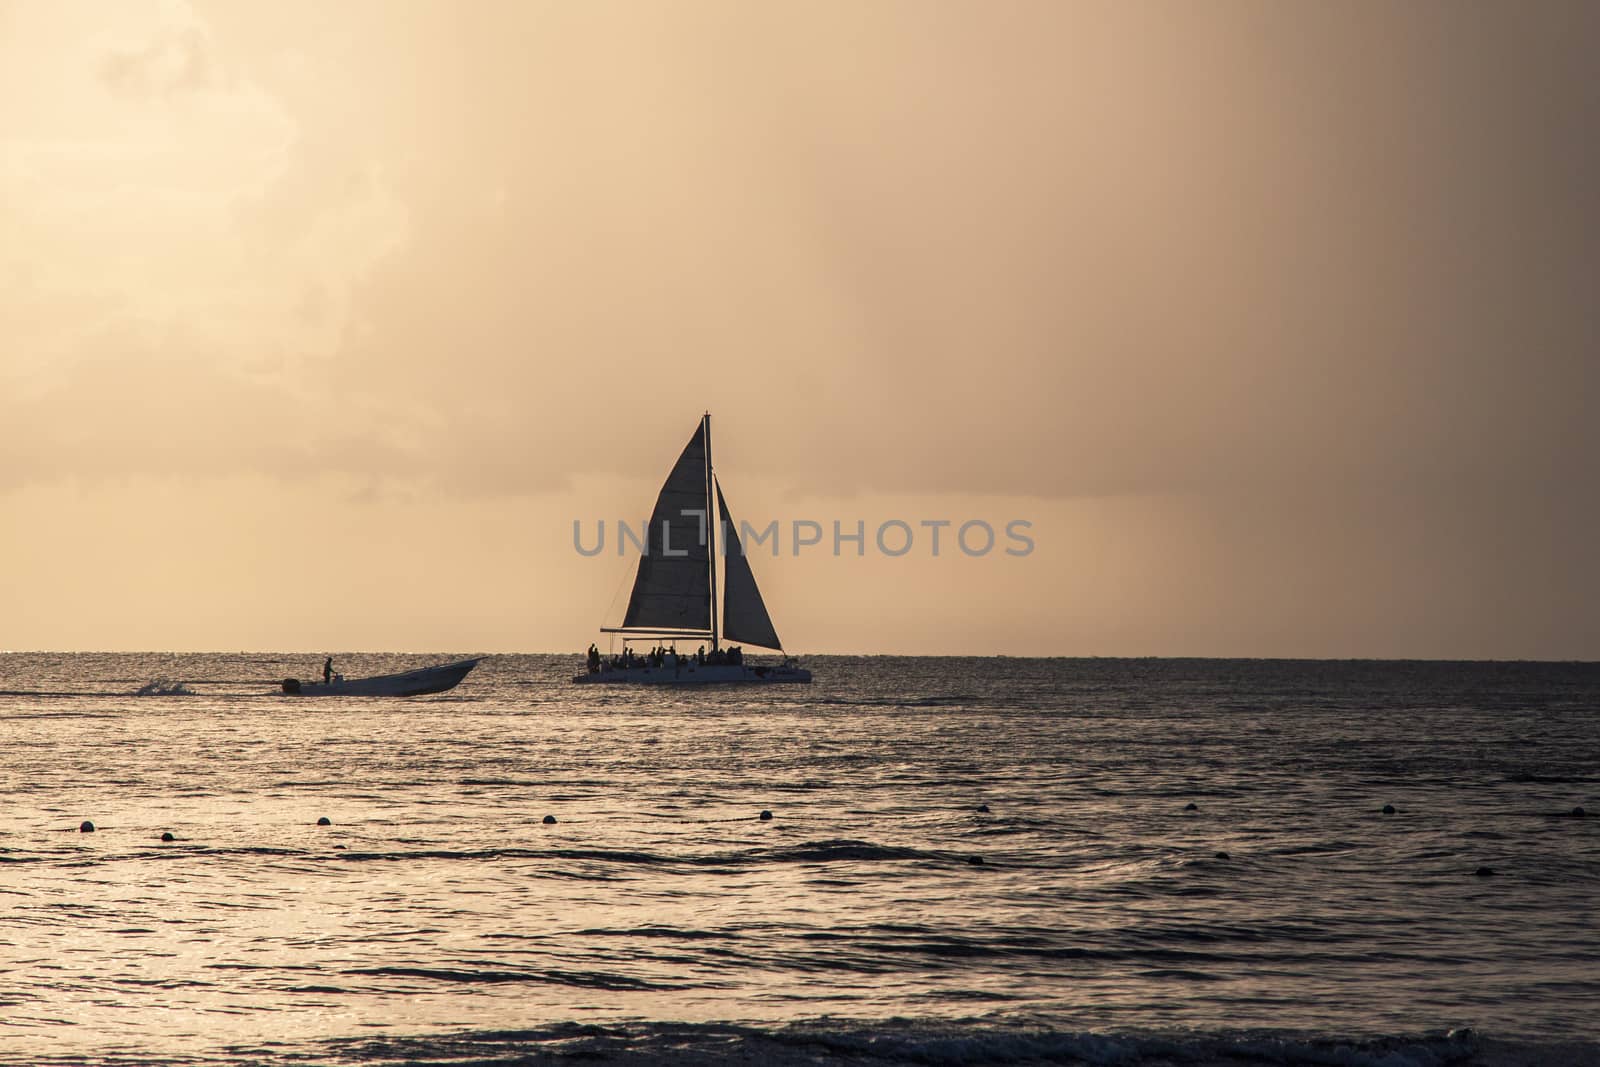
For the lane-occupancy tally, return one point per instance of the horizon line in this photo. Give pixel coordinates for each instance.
(1089, 657)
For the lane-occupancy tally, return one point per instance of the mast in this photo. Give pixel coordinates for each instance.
(711, 531)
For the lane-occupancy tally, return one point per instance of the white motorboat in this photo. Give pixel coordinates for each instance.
(419, 682)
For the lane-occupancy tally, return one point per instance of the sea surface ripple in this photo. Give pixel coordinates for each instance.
(970, 860)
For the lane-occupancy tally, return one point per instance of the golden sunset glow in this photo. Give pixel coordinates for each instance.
(320, 324)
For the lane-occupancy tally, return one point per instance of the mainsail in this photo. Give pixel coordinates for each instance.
(744, 615)
(673, 592)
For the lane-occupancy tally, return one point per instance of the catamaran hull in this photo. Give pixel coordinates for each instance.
(416, 683)
(698, 674)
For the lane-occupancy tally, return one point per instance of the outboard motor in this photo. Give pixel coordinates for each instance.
(291, 687)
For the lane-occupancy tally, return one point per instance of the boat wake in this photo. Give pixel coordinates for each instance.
(164, 687)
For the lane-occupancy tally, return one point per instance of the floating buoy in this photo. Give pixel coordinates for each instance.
(1191, 806)
(1388, 809)
(976, 861)
(765, 815)
(168, 836)
(549, 820)
(324, 821)
(86, 827)
(1223, 856)
(1578, 812)
(1484, 872)
(983, 808)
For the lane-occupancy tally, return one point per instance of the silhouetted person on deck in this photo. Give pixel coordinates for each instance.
(327, 670)
(594, 660)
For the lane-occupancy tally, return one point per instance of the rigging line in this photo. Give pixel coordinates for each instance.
(627, 564)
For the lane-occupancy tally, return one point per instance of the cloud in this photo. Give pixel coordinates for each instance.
(176, 59)
(165, 291)
(1051, 252)
(162, 404)
(1041, 252)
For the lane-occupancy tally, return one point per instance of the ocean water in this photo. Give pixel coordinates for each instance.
(438, 919)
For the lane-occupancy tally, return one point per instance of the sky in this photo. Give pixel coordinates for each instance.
(321, 324)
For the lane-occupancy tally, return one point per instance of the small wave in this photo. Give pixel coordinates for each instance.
(672, 932)
(1002, 826)
(901, 1041)
(577, 854)
(834, 851)
(889, 702)
(581, 979)
(826, 851)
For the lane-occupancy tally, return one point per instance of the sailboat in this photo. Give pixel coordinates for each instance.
(675, 591)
